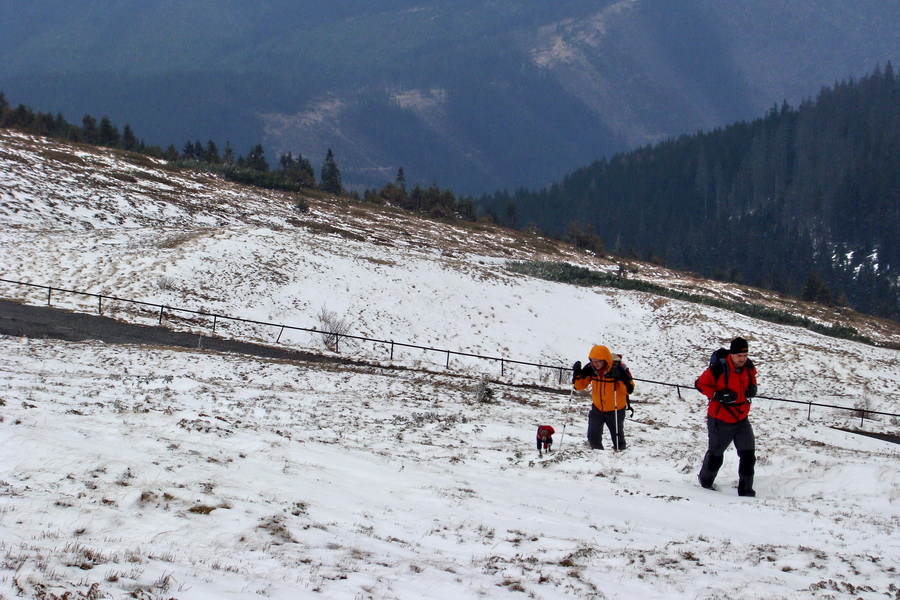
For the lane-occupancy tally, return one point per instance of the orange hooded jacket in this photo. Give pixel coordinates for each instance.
(607, 393)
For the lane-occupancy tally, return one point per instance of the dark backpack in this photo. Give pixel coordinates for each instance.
(718, 364)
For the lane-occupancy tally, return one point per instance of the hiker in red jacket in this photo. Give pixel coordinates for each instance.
(545, 438)
(729, 383)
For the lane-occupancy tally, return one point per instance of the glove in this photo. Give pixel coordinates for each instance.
(725, 397)
(579, 371)
(751, 391)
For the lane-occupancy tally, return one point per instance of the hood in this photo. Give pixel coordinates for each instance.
(601, 353)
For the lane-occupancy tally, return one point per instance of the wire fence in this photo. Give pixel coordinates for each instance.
(162, 310)
(863, 413)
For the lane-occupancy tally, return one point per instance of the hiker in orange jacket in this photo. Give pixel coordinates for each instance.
(729, 383)
(611, 383)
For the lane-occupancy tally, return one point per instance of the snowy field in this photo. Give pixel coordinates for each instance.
(157, 473)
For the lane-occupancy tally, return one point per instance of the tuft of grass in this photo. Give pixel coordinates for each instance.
(333, 327)
(64, 157)
(483, 392)
(202, 509)
(125, 177)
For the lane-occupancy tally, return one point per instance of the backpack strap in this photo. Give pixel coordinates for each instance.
(730, 411)
(718, 366)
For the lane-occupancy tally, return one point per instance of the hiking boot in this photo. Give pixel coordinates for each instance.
(749, 493)
(704, 483)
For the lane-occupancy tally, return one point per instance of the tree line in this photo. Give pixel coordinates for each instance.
(290, 172)
(431, 201)
(804, 201)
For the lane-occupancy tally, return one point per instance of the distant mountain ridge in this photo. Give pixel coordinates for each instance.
(476, 96)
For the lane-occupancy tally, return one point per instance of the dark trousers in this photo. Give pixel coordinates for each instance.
(721, 435)
(614, 420)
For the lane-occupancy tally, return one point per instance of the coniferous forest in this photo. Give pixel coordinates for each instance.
(290, 173)
(805, 200)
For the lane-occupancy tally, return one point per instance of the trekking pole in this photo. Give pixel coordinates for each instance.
(616, 416)
(566, 419)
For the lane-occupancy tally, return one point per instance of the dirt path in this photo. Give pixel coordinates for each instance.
(24, 320)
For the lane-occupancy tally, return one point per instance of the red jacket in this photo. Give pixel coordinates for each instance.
(711, 382)
(545, 429)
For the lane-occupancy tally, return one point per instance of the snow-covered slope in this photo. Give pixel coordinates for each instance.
(158, 473)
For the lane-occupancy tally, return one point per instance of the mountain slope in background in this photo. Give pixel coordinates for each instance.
(475, 95)
(157, 473)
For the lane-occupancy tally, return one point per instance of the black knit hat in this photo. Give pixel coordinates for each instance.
(738, 346)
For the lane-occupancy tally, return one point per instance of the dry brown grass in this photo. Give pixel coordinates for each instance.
(62, 156)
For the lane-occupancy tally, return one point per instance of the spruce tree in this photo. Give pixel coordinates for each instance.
(108, 134)
(129, 141)
(211, 153)
(256, 160)
(228, 155)
(330, 180)
(89, 129)
(171, 153)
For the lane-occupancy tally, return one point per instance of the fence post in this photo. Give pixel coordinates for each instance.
(502, 367)
(49, 289)
(99, 305)
(392, 350)
(447, 364)
(279, 334)
(160, 314)
(809, 412)
(214, 323)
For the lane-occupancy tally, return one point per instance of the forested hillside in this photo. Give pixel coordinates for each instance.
(805, 200)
